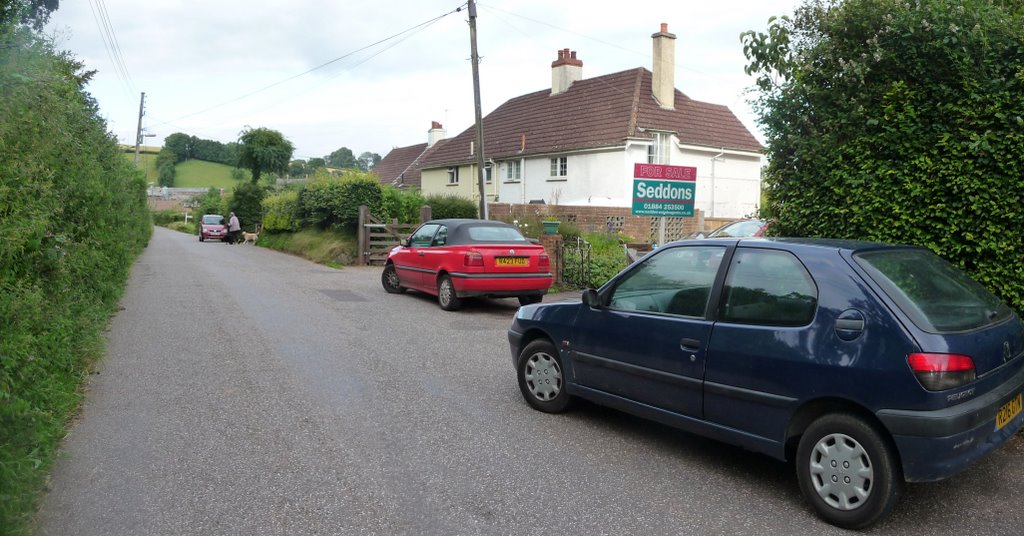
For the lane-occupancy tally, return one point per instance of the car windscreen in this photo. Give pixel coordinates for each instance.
(213, 220)
(740, 229)
(494, 233)
(935, 295)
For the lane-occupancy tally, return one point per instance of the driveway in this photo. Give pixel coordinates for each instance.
(251, 392)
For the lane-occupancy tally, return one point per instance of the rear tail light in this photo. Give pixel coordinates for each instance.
(938, 372)
(545, 262)
(473, 258)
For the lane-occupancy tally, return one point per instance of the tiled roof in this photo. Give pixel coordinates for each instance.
(399, 163)
(592, 113)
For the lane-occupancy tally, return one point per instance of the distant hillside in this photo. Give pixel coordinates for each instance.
(201, 174)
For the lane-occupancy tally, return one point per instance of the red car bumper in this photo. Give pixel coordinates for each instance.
(467, 285)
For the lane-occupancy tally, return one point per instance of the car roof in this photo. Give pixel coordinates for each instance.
(458, 230)
(852, 246)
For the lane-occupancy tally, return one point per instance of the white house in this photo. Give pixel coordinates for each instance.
(576, 143)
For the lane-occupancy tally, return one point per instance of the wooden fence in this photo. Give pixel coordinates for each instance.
(377, 238)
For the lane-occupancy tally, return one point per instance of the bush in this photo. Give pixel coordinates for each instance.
(607, 258)
(247, 204)
(451, 206)
(333, 202)
(403, 205)
(73, 218)
(164, 217)
(211, 203)
(280, 212)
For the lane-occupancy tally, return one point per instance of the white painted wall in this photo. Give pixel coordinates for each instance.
(605, 178)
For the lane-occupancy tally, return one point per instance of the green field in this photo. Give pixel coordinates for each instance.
(201, 174)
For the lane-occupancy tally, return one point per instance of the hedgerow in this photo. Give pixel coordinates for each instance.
(73, 218)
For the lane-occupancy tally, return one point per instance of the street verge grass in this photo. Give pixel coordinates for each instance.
(331, 248)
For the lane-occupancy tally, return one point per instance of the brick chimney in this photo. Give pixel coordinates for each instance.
(565, 70)
(664, 68)
(435, 134)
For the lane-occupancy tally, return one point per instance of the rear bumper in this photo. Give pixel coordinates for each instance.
(470, 285)
(938, 444)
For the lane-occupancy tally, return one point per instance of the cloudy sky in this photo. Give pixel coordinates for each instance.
(371, 76)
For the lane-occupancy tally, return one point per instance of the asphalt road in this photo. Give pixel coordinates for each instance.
(251, 392)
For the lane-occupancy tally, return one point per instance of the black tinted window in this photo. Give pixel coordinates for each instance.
(937, 296)
(675, 281)
(768, 287)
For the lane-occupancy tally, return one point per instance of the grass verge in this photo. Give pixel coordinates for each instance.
(330, 248)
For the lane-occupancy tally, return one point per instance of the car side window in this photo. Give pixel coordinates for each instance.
(441, 238)
(674, 281)
(423, 236)
(768, 287)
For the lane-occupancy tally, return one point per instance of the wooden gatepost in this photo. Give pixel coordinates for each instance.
(376, 238)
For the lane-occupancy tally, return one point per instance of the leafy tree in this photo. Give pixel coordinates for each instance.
(247, 204)
(315, 164)
(181, 145)
(342, 159)
(32, 13)
(298, 168)
(899, 122)
(367, 160)
(263, 149)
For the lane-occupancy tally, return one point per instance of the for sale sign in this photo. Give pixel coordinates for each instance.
(660, 190)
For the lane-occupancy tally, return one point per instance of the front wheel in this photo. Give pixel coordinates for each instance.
(848, 471)
(542, 377)
(389, 280)
(446, 296)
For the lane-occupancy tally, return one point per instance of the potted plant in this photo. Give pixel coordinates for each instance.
(551, 224)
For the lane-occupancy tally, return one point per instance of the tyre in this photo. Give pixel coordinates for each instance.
(530, 298)
(848, 471)
(542, 377)
(389, 280)
(446, 294)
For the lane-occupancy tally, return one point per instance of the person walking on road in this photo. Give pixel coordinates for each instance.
(233, 229)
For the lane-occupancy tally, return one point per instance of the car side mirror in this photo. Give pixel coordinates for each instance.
(591, 298)
(407, 242)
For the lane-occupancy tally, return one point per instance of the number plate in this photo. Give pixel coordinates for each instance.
(1009, 410)
(511, 261)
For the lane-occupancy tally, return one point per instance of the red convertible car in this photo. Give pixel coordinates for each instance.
(462, 258)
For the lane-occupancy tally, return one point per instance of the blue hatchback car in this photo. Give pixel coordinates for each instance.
(868, 364)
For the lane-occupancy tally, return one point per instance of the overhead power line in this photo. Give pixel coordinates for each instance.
(113, 48)
(322, 65)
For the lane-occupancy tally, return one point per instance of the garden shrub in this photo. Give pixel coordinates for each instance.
(401, 204)
(333, 202)
(280, 212)
(247, 204)
(451, 206)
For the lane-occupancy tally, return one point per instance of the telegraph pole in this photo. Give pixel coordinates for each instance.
(475, 58)
(138, 131)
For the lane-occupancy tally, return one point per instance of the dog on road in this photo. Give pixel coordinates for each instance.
(251, 237)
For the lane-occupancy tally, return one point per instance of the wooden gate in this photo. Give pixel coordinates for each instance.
(377, 238)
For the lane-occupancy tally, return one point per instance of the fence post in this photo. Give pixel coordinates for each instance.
(361, 236)
(426, 214)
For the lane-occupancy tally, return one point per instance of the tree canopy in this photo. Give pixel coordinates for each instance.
(899, 121)
(263, 149)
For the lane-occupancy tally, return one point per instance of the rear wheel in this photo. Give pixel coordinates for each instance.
(542, 377)
(389, 280)
(446, 296)
(530, 298)
(848, 471)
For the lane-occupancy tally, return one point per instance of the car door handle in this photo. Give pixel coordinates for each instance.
(690, 345)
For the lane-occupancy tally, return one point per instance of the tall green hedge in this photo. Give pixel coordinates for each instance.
(900, 122)
(333, 202)
(451, 206)
(73, 217)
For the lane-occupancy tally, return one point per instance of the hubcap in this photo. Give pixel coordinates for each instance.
(392, 278)
(543, 376)
(445, 292)
(841, 472)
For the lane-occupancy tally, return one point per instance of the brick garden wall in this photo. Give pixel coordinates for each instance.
(598, 219)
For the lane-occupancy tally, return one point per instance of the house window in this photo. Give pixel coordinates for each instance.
(453, 175)
(488, 172)
(513, 170)
(658, 150)
(559, 166)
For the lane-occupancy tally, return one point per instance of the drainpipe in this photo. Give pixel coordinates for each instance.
(713, 160)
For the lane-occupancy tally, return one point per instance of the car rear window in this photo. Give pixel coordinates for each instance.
(937, 296)
(491, 233)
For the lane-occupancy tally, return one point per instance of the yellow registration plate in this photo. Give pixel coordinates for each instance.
(511, 261)
(1009, 410)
